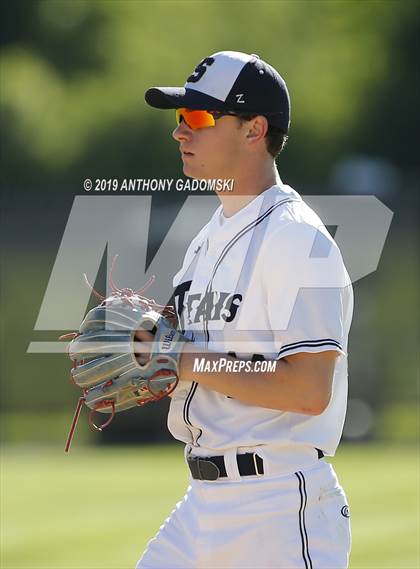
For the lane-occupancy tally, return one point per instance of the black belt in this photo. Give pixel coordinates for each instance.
(213, 467)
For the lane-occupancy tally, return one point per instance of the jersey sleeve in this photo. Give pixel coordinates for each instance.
(307, 290)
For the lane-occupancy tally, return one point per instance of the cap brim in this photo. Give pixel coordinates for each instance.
(165, 97)
(177, 97)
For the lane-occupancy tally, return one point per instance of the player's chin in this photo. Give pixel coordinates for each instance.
(187, 170)
(191, 172)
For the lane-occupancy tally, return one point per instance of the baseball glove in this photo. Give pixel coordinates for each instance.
(103, 352)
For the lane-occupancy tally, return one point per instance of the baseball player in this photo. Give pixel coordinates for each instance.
(262, 283)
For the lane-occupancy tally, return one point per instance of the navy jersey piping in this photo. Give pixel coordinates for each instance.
(310, 344)
(302, 524)
(245, 230)
(186, 410)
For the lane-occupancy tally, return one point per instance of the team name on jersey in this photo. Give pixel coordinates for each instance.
(215, 305)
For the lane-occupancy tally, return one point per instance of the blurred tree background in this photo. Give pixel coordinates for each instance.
(73, 75)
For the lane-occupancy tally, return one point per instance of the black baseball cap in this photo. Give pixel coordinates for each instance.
(230, 81)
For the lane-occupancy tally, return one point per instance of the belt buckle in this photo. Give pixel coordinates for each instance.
(254, 456)
(193, 466)
(203, 469)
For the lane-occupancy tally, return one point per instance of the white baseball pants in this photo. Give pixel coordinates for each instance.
(293, 521)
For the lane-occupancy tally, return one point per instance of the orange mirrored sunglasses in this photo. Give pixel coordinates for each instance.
(199, 119)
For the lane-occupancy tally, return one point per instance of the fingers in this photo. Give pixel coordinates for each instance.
(143, 346)
(143, 336)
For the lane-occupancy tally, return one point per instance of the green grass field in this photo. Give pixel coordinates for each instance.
(97, 508)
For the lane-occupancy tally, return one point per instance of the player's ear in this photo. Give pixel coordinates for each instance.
(256, 129)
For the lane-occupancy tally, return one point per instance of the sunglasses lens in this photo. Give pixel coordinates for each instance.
(195, 119)
(179, 115)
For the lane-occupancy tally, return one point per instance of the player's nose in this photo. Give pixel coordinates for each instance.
(182, 132)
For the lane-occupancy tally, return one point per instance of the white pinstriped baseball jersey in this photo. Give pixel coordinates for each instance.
(268, 281)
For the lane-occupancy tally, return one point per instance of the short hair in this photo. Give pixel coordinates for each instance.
(275, 139)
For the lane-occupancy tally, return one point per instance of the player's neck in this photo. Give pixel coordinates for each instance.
(248, 184)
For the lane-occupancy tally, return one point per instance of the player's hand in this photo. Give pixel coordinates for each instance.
(143, 349)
